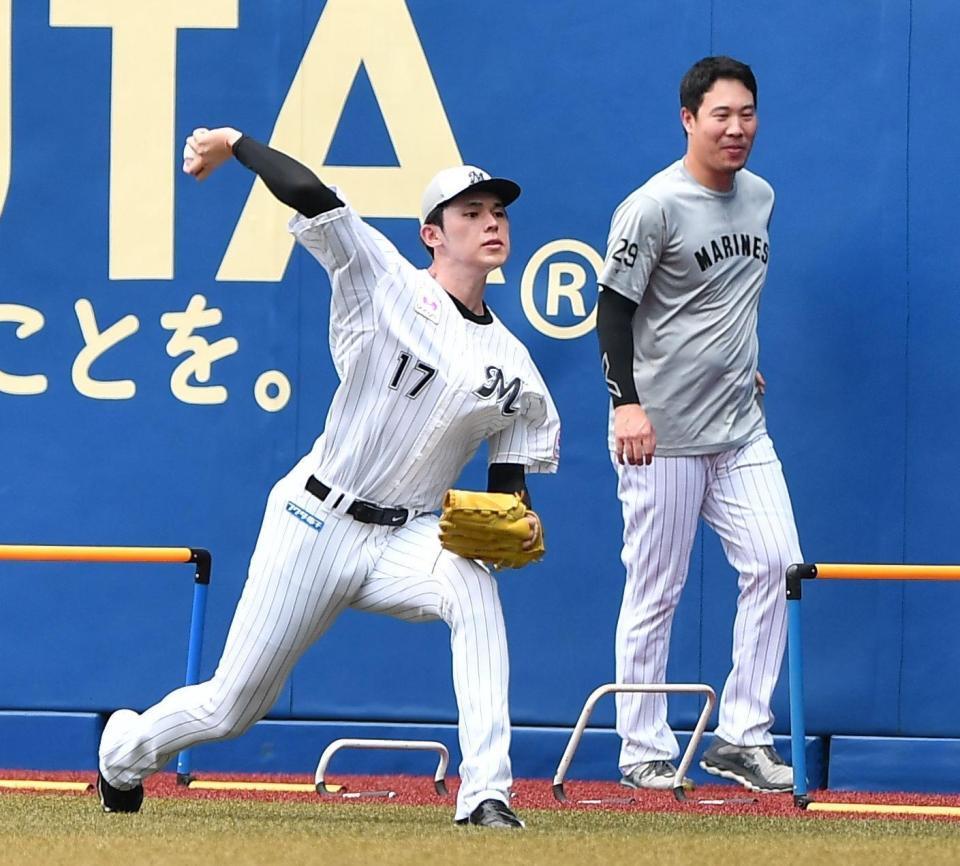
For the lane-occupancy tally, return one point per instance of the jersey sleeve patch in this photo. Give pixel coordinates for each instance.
(634, 246)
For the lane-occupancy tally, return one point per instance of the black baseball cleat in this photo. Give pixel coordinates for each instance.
(493, 813)
(114, 800)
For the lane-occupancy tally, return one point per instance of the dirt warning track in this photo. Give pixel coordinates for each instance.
(528, 794)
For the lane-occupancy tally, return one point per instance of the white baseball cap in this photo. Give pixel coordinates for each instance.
(450, 182)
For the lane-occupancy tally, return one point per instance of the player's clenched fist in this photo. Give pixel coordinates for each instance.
(206, 149)
(635, 438)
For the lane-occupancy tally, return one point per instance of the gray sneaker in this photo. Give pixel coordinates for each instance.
(758, 768)
(656, 775)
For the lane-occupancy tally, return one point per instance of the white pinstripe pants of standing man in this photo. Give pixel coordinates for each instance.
(742, 495)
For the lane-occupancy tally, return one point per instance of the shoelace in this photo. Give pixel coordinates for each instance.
(772, 756)
(768, 764)
(763, 760)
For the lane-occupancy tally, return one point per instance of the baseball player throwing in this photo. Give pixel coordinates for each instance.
(427, 373)
(677, 323)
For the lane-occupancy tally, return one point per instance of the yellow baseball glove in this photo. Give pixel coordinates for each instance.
(489, 526)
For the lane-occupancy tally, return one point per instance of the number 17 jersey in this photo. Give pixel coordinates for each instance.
(421, 385)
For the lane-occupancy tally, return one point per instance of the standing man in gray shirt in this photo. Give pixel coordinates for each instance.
(677, 322)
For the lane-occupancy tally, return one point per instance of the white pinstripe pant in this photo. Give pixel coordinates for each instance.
(742, 495)
(300, 579)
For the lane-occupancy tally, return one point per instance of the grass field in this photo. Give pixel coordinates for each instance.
(63, 829)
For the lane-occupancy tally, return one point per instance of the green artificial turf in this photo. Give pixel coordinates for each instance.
(53, 830)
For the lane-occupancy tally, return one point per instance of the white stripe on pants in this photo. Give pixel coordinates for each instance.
(300, 579)
(742, 495)
(417, 580)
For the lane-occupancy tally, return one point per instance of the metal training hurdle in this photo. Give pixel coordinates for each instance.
(439, 776)
(611, 688)
(83, 553)
(795, 576)
(323, 788)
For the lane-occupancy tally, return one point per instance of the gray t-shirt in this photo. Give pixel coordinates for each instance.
(694, 259)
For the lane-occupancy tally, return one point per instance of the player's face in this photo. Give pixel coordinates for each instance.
(721, 133)
(476, 231)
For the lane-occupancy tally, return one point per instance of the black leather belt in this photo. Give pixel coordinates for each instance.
(365, 512)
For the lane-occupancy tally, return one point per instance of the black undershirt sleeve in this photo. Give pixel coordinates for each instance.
(508, 478)
(290, 181)
(615, 332)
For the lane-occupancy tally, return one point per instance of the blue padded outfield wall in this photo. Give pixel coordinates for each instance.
(163, 350)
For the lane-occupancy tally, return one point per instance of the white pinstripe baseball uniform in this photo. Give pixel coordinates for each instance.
(421, 388)
(694, 260)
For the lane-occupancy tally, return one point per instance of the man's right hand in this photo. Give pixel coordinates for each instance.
(635, 438)
(207, 149)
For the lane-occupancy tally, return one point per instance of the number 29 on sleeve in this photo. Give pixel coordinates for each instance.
(626, 253)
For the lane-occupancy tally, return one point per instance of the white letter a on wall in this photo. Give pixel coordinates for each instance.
(380, 35)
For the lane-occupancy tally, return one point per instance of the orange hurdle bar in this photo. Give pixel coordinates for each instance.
(97, 553)
(89, 553)
(868, 571)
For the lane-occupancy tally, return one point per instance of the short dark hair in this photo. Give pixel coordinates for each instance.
(434, 218)
(706, 72)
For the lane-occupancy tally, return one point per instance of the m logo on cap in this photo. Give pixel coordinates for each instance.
(477, 176)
